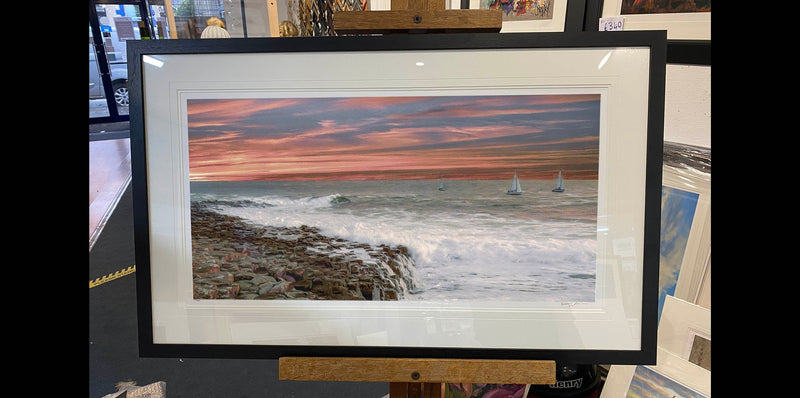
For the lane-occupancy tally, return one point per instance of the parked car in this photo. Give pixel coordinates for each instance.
(119, 80)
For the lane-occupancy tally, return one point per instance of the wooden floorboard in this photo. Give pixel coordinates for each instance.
(109, 175)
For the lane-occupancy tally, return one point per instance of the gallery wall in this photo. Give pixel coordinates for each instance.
(687, 111)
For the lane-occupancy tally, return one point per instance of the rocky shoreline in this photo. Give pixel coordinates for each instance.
(232, 259)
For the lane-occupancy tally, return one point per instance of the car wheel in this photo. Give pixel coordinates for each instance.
(121, 93)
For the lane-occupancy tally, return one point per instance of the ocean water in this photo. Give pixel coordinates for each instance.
(471, 241)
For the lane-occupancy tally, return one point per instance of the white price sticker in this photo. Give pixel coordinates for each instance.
(611, 23)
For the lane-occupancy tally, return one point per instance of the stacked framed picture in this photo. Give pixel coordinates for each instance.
(688, 24)
(683, 20)
(683, 368)
(684, 333)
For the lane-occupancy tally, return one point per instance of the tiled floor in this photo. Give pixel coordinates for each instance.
(109, 175)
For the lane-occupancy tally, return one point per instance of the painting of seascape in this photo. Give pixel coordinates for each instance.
(435, 198)
(647, 383)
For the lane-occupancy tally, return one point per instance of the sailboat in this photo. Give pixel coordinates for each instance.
(515, 189)
(441, 184)
(559, 183)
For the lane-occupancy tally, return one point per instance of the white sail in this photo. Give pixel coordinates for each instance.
(559, 183)
(516, 188)
(441, 184)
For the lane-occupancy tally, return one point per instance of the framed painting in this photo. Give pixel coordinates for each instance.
(536, 15)
(399, 196)
(685, 331)
(683, 20)
(685, 224)
(671, 377)
(683, 366)
(688, 24)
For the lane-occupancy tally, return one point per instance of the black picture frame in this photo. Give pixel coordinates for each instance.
(576, 16)
(142, 172)
(679, 51)
(689, 52)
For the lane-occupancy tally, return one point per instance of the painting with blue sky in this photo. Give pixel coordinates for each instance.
(677, 212)
(647, 383)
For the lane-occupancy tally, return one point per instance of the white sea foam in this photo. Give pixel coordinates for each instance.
(468, 245)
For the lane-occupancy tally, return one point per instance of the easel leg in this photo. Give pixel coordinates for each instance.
(415, 390)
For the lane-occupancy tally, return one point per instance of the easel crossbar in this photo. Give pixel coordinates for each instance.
(418, 370)
(400, 21)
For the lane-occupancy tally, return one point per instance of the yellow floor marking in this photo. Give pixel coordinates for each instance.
(111, 277)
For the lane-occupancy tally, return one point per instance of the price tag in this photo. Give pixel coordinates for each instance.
(611, 23)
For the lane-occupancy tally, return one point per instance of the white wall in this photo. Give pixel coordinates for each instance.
(687, 110)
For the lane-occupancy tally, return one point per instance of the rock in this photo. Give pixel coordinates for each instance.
(261, 279)
(233, 259)
(266, 288)
(246, 286)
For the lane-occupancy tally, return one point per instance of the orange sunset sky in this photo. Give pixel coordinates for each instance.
(453, 137)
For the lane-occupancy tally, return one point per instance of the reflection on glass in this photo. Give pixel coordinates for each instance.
(159, 23)
(119, 23)
(97, 98)
(190, 18)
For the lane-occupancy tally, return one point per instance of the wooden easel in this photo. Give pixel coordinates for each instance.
(417, 378)
(417, 16)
